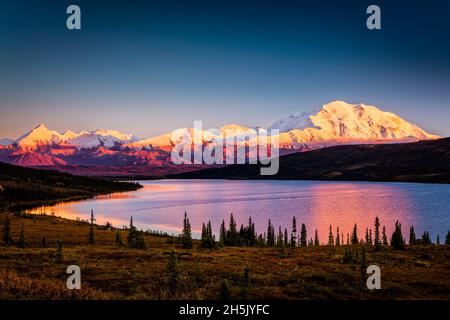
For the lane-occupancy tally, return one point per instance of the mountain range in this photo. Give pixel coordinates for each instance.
(334, 123)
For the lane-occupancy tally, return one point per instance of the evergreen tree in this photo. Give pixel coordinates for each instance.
(21, 243)
(224, 290)
(118, 240)
(385, 239)
(438, 241)
(250, 233)
(286, 238)
(173, 274)
(347, 256)
(270, 235)
(330, 237)
(222, 234)
(355, 235)
(377, 234)
(397, 241)
(338, 238)
(370, 237)
(280, 238)
(316, 239)
(294, 233)
(207, 239)
(348, 239)
(186, 240)
(91, 239)
(412, 236)
(232, 234)
(7, 239)
(426, 240)
(303, 236)
(447, 239)
(367, 236)
(135, 238)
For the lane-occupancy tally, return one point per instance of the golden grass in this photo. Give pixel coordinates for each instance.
(110, 272)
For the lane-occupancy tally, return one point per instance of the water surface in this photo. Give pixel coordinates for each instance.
(161, 204)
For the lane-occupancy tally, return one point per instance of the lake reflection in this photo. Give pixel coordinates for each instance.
(161, 204)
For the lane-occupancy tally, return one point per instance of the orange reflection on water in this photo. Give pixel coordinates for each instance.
(344, 204)
(67, 211)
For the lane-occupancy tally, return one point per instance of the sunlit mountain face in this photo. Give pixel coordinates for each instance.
(335, 123)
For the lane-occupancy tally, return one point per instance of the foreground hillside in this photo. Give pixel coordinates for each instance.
(423, 161)
(109, 271)
(21, 187)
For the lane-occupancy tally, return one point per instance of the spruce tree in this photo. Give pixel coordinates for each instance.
(173, 274)
(385, 239)
(412, 236)
(330, 236)
(316, 239)
(118, 239)
(367, 236)
(377, 234)
(338, 238)
(186, 240)
(232, 234)
(91, 239)
(294, 233)
(135, 238)
(223, 234)
(438, 241)
(426, 240)
(21, 243)
(286, 238)
(348, 239)
(280, 240)
(207, 239)
(355, 235)
(7, 239)
(447, 238)
(270, 234)
(370, 237)
(303, 236)
(397, 241)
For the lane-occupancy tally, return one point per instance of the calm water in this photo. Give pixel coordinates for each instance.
(161, 204)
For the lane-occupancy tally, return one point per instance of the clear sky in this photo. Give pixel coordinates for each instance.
(148, 67)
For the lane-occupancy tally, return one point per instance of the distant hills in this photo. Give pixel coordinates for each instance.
(423, 161)
(24, 187)
(106, 151)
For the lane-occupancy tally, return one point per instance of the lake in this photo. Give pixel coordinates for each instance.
(161, 204)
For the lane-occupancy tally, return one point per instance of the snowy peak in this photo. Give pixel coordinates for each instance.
(115, 134)
(40, 135)
(339, 120)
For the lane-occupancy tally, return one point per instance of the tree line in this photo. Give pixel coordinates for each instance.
(231, 235)
(246, 235)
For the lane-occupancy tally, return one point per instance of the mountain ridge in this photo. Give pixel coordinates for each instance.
(334, 123)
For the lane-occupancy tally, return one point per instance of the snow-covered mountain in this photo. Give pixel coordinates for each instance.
(341, 122)
(41, 136)
(334, 123)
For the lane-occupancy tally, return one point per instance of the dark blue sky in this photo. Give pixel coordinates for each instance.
(148, 67)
